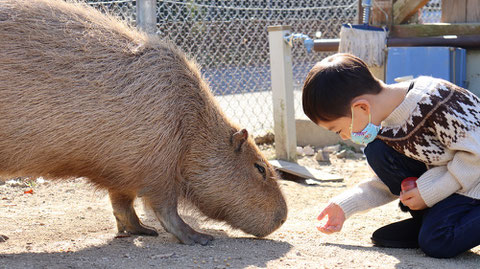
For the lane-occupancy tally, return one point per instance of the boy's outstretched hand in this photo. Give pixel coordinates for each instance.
(336, 218)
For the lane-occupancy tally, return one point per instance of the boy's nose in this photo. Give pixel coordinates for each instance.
(344, 137)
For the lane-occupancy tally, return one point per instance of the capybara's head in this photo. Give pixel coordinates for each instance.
(233, 182)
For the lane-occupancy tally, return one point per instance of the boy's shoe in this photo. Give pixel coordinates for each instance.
(402, 234)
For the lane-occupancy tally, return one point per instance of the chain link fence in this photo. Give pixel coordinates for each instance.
(229, 39)
(431, 12)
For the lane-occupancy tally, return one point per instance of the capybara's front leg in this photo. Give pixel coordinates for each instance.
(168, 215)
(3, 238)
(127, 219)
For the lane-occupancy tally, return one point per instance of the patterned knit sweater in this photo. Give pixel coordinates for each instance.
(438, 124)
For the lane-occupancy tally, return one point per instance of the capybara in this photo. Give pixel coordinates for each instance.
(84, 95)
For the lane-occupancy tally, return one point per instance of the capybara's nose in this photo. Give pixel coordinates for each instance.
(280, 217)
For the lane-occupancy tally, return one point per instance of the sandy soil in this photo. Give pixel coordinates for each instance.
(70, 225)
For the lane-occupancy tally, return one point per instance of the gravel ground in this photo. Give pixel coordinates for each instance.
(70, 225)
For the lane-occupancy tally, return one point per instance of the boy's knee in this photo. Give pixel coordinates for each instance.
(375, 149)
(374, 146)
(436, 246)
(378, 154)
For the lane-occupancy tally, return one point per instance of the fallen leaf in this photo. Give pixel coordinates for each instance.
(29, 191)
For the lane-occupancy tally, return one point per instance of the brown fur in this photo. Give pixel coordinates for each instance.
(84, 95)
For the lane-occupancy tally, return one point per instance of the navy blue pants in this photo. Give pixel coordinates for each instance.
(451, 226)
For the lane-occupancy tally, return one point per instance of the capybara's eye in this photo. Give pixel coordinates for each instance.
(261, 169)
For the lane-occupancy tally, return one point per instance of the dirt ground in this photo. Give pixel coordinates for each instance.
(71, 225)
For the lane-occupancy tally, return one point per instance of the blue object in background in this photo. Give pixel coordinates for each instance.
(441, 62)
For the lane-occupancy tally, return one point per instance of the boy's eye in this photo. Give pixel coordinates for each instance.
(338, 132)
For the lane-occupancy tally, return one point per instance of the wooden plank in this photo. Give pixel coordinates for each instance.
(404, 9)
(304, 172)
(473, 10)
(454, 11)
(434, 29)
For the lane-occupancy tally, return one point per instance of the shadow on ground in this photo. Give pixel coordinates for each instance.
(157, 252)
(415, 258)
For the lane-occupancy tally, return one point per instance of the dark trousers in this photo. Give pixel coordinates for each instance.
(451, 226)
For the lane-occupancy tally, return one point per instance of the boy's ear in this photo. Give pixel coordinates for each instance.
(361, 104)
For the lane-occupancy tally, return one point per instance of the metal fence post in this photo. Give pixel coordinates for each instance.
(282, 93)
(146, 15)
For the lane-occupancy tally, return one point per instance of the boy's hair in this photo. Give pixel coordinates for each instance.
(333, 83)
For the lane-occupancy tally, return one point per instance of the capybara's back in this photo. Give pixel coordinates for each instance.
(84, 95)
(75, 85)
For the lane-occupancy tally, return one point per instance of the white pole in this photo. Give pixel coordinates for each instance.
(147, 16)
(282, 93)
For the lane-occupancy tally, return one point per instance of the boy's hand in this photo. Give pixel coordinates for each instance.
(412, 199)
(336, 218)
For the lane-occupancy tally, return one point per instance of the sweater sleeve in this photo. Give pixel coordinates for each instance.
(459, 175)
(366, 195)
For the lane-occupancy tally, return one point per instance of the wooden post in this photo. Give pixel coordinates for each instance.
(473, 11)
(460, 11)
(454, 10)
(282, 93)
(147, 15)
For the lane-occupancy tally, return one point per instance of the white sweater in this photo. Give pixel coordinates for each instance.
(438, 124)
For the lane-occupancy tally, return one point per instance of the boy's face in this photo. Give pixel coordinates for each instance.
(342, 125)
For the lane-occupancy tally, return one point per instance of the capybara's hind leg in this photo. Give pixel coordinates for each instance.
(3, 238)
(124, 212)
(168, 215)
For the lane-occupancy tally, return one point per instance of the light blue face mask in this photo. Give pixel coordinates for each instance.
(365, 136)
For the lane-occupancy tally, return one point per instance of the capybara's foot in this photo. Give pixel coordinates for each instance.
(174, 224)
(196, 238)
(3, 238)
(140, 230)
(127, 219)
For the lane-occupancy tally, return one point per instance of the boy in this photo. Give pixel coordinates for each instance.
(426, 128)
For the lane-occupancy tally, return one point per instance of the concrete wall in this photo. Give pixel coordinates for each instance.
(308, 133)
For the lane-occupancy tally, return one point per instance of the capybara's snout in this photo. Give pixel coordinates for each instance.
(280, 217)
(265, 223)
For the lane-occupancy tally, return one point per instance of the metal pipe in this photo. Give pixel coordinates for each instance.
(146, 15)
(326, 44)
(366, 4)
(467, 41)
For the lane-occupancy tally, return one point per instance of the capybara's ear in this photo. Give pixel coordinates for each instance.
(138, 49)
(239, 138)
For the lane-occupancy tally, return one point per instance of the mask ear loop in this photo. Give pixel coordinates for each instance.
(351, 123)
